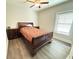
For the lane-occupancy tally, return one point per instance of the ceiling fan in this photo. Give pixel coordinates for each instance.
(37, 2)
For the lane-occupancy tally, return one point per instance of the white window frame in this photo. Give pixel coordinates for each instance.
(57, 22)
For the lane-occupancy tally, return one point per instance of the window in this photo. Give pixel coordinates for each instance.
(64, 22)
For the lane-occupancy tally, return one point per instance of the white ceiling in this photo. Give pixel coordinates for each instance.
(28, 4)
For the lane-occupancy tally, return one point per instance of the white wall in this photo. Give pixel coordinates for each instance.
(46, 19)
(18, 13)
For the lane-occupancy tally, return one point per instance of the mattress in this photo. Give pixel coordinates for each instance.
(30, 32)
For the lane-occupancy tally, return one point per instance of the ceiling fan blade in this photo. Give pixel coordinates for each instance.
(44, 2)
(32, 6)
(30, 1)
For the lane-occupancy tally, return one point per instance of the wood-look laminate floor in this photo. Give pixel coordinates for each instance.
(54, 50)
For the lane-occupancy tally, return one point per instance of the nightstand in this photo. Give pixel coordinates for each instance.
(12, 33)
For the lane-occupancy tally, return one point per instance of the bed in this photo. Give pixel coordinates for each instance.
(33, 38)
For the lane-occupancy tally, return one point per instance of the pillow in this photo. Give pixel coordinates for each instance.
(29, 25)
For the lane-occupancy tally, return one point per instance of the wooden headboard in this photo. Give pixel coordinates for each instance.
(22, 24)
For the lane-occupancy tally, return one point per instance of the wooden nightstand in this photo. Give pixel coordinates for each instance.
(12, 33)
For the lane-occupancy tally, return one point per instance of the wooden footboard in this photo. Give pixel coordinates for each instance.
(38, 41)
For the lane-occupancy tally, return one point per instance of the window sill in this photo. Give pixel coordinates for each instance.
(61, 33)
